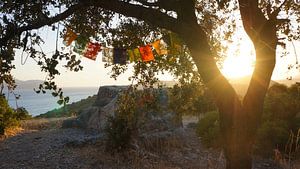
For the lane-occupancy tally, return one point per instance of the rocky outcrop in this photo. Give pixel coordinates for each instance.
(95, 117)
(106, 94)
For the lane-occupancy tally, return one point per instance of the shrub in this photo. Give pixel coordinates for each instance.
(22, 114)
(208, 129)
(118, 134)
(7, 116)
(272, 135)
(130, 116)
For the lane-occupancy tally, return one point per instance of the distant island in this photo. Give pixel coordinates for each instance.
(28, 84)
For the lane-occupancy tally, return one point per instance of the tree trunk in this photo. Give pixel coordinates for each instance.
(238, 120)
(238, 141)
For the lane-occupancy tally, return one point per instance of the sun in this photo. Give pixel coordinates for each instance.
(240, 60)
(237, 66)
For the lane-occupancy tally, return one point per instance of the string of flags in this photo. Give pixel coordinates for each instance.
(90, 50)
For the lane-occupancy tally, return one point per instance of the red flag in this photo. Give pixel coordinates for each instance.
(92, 50)
(146, 53)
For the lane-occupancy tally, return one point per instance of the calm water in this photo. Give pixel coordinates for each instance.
(41, 103)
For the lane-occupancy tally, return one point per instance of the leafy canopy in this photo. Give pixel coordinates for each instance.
(20, 22)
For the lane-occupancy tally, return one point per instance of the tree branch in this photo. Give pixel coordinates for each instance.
(170, 5)
(149, 15)
(16, 31)
(275, 13)
(252, 17)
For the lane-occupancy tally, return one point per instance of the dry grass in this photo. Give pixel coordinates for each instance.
(161, 144)
(43, 123)
(33, 125)
(292, 148)
(10, 132)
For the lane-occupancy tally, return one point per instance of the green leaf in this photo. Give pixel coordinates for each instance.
(60, 102)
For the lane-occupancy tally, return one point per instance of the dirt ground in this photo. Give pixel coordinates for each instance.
(55, 148)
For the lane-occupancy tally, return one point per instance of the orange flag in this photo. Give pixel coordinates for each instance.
(69, 37)
(159, 48)
(146, 53)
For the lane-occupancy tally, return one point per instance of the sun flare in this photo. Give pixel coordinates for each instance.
(237, 66)
(240, 59)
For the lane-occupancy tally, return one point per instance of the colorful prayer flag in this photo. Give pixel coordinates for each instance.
(80, 44)
(131, 55)
(134, 54)
(137, 54)
(92, 50)
(159, 48)
(119, 56)
(107, 55)
(69, 37)
(146, 53)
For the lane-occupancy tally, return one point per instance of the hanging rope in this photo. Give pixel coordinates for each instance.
(22, 58)
(57, 34)
(295, 52)
(25, 40)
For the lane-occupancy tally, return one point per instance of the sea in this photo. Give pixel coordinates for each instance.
(37, 104)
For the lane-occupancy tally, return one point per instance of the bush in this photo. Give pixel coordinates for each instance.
(118, 134)
(208, 129)
(272, 135)
(7, 116)
(22, 114)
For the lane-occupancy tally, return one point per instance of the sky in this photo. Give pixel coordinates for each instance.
(94, 74)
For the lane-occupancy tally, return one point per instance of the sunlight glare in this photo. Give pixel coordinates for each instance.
(240, 61)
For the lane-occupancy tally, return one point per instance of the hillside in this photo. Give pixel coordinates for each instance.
(70, 109)
(28, 84)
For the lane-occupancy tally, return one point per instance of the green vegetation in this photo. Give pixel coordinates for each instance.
(208, 129)
(9, 117)
(191, 99)
(73, 109)
(22, 114)
(133, 105)
(280, 120)
(118, 134)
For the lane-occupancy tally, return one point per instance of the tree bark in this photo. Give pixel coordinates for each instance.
(239, 120)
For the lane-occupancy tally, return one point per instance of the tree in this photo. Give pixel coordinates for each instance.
(193, 21)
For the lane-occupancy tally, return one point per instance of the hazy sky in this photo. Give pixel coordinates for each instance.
(94, 73)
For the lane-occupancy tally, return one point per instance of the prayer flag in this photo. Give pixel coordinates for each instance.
(137, 54)
(119, 56)
(107, 55)
(159, 48)
(69, 37)
(80, 44)
(134, 54)
(146, 53)
(131, 55)
(92, 50)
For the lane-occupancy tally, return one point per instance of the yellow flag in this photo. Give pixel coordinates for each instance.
(131, 55)
(137, 54)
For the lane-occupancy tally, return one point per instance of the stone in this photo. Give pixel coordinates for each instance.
(95, 117)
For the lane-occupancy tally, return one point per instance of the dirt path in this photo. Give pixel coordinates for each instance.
(80, 149)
